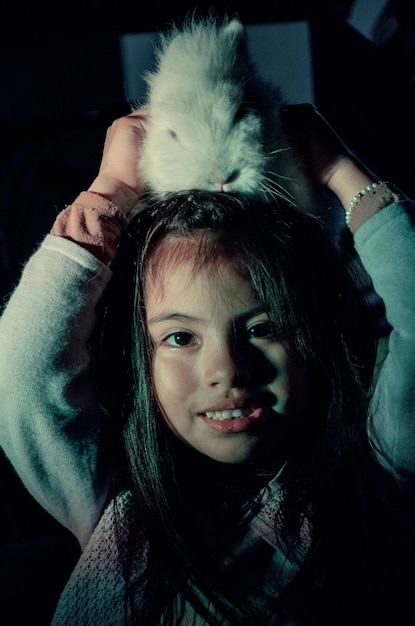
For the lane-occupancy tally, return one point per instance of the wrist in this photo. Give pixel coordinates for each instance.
(360, 192)
(122, 196)
(347, 178)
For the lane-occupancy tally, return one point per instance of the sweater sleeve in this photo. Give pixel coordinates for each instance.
(386, 246)
(50, 423)
(92, 222)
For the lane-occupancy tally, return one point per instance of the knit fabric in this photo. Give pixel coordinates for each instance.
(95, 593)
(92, 222)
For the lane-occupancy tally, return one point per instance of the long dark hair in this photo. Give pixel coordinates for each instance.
(191, 506)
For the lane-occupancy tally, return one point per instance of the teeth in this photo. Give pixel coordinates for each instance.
(224, 415)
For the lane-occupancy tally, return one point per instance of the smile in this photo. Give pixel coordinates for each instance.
(227, 415)
(231, 421)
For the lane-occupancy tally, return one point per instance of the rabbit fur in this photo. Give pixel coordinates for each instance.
(215, 125)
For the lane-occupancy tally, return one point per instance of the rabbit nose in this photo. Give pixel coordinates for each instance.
(230, 178)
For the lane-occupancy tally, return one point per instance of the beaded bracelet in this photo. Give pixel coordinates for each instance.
(372, 189)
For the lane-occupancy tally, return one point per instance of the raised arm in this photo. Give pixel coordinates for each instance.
(51, 428)
(382, 222)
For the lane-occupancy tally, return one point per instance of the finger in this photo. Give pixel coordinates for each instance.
(144, 112)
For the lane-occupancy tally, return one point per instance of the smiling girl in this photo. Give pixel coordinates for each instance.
(208, 422)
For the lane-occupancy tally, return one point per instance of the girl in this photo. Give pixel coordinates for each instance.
(209, 423)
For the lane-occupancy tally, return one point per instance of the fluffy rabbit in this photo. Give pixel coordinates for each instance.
(215, 125)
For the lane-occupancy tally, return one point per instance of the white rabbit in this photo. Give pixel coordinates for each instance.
(215, 125)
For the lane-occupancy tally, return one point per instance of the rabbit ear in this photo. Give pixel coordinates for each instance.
(236, 35)
(235, 29)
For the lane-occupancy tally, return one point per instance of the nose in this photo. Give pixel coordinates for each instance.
(222, 366)
(220, 182)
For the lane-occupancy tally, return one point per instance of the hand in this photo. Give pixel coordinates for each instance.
(319, 146)
(326, 157)
(119, 178)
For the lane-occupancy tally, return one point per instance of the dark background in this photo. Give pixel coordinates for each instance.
(61, 85)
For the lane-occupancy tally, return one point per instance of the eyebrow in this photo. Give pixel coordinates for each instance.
(166, 317)
(182, 317)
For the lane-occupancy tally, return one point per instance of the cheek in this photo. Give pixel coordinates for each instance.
(298, 393)
(291, 383)
(172, 384)
(298, 388)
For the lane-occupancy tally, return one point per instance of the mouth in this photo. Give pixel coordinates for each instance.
(230, 414)
(231, 421)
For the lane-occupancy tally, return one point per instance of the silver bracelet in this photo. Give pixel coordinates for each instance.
(370, 189)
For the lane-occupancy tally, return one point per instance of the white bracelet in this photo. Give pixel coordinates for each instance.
(372, 188)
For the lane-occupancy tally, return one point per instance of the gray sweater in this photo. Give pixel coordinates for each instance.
(50, 423)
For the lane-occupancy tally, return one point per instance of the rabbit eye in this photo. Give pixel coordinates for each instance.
(240, 114)
(172, 134)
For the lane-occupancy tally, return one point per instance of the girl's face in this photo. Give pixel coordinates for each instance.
(224, 384)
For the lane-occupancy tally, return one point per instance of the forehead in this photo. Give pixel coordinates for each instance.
(172, 250)
(181, 263)
(202, 250)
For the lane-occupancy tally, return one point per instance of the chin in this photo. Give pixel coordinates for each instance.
(230, 457)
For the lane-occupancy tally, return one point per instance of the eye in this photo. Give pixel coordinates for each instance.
(240, 114)
(261, 330)
(172, 134)
(179, 339)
